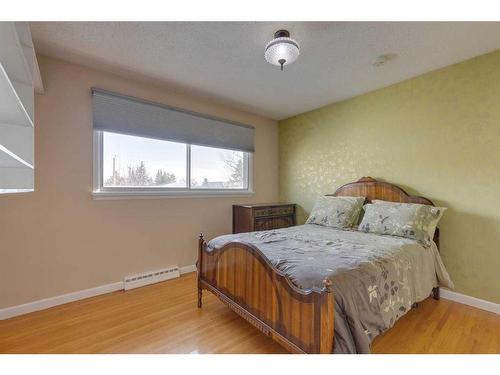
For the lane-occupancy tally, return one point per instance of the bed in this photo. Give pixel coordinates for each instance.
(316, 289)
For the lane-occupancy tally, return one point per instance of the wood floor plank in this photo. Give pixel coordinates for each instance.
(163, 318)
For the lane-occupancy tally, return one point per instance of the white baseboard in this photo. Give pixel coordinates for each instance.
(187, 269)
(46, 303)
(471, 301)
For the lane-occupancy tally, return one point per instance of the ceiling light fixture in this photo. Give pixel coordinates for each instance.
(282, 50)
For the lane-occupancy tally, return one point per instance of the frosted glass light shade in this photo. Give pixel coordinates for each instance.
(282, 51)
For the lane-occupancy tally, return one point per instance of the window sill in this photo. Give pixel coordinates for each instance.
(112, 195)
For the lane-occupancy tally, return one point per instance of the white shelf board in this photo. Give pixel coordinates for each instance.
(26, 42)
(16, 191)
(19, 140)
(24, 33)
(26, 95)
(21, 178)
(12, 55)
(12, 109)
(9, 159)
(37, 78)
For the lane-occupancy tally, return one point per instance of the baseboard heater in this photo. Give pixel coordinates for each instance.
(151, 277)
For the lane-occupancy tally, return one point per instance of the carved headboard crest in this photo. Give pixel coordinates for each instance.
(373, 189)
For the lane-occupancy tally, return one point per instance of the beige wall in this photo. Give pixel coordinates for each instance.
(58, 239)
(437, 135)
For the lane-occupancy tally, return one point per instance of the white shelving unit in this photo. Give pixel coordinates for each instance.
(15, 104)
(19, 78)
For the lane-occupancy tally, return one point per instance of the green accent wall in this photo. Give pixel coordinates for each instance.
(436, 135)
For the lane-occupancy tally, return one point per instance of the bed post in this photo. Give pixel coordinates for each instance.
(201, 243)
(326, 333)
(435, 293)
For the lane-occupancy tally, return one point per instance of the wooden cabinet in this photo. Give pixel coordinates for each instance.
(256, 217)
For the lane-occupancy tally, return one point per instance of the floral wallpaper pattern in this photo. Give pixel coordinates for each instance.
(436, 135)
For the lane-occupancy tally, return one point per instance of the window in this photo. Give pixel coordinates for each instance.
(215, 168)
(129, 161)
(142, 148)
(126, 165)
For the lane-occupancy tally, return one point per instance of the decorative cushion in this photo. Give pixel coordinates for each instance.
(410, 220)
(337, 212)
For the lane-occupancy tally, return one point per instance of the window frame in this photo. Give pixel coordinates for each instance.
(99, 191)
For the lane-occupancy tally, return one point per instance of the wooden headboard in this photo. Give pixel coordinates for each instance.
(372, 189)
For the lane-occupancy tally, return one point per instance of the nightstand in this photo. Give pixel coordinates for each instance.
(265, 216)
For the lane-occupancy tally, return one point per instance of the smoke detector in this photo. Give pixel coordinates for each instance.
(383, 59)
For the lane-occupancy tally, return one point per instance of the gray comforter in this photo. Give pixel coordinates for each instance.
(376, 279)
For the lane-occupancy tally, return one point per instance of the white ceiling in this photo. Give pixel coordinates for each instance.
(225, 61)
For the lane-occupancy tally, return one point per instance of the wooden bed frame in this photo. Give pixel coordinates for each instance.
(244, 279)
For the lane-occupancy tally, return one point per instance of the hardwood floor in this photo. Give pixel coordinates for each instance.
(163, 318)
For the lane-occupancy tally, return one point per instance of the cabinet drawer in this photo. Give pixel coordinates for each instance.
(274, 222)
(274, 211)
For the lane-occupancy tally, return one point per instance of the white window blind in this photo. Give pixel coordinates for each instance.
(127, 115)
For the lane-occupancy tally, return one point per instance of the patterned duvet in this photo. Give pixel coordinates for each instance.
(376, 279)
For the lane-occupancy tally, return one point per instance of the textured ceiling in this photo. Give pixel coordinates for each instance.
(225, 61)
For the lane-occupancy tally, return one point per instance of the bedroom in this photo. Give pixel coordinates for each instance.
(353, 167)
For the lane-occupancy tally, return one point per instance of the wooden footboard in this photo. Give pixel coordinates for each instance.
(244, 279)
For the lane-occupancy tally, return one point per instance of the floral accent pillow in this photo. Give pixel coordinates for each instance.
(336, 212)
(410, 220)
